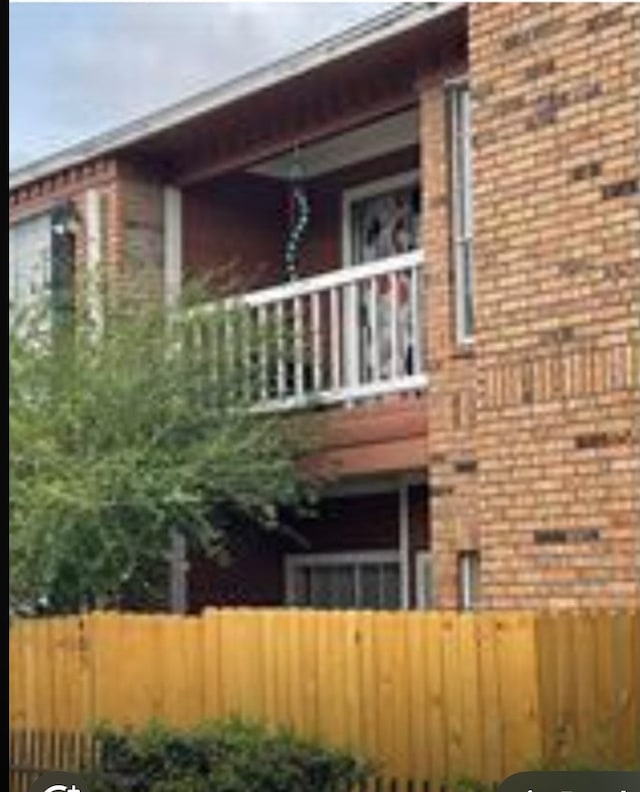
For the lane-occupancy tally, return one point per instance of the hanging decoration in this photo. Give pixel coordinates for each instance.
(298, 216)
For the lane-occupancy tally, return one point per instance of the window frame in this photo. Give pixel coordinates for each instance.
(461, 209)
(36, 289)
(295, 561)
(350, 196)
(424, 560)
(371, 189)
(468, 594)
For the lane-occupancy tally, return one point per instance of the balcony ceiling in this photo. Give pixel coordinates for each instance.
(384, 136)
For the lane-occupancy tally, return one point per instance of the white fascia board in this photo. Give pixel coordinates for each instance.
(379, 28)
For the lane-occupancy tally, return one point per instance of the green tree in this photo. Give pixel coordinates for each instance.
(123, 434)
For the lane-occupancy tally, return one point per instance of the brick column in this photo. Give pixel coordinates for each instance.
(138, 228)
(451, 399)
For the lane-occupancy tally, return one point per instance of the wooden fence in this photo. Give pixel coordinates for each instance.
(431, 696)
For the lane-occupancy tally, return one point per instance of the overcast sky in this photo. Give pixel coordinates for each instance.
(76, 69)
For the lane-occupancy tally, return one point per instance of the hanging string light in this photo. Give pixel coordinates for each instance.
(299, 215)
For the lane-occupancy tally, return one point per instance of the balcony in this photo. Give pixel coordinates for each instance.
(339, 338)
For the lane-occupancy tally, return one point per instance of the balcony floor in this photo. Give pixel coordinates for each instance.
(384, 437)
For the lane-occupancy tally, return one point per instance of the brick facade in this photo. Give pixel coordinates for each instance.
(140, 221)
(557, 249)
(232, 232)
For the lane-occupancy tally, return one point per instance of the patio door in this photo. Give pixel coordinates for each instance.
(381, 221)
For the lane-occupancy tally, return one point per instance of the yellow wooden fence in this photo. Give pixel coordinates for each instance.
(431, 696)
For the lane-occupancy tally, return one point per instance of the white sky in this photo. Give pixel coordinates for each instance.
(76, 69)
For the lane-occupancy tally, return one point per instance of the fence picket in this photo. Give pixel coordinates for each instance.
(624, 737)
(435, 702)
(310, 662)
(566, 694)
(605, 685)
(469, 692)
(585, 676)
(490, 700)
(417, 711)
(452, 702)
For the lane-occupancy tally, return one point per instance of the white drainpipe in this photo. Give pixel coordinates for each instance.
(172, 199)
(404, 545)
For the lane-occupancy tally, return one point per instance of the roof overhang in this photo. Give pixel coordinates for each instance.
(381, 28)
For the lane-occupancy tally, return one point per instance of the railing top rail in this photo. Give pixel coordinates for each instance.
(322, 282)
(333, 279)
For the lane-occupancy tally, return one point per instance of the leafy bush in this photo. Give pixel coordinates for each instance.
(222, 756)
(126, 435)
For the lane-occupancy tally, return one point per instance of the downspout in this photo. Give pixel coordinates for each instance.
(404, 544)
(172, 210)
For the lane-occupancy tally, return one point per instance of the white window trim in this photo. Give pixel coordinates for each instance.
(295, 561)
(465, 560)
(355, 487)
(423, 559)
(460, 81)
(463, 337)
(404, 543)
(172, 200)
(370, 190)
(93, 264)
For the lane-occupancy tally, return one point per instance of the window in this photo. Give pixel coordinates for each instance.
(382, 219)
(29, 258)
(369, 580)
(462, 210)
(468, 579)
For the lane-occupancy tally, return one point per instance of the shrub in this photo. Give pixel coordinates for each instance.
(126, 435)
(222, 756)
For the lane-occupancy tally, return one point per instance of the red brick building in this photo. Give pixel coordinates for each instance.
(469, 276)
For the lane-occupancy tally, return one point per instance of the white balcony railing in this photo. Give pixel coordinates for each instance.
(342, 336)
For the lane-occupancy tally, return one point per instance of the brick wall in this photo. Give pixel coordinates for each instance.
(233, 229)
(557, 238)
(139, 225)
